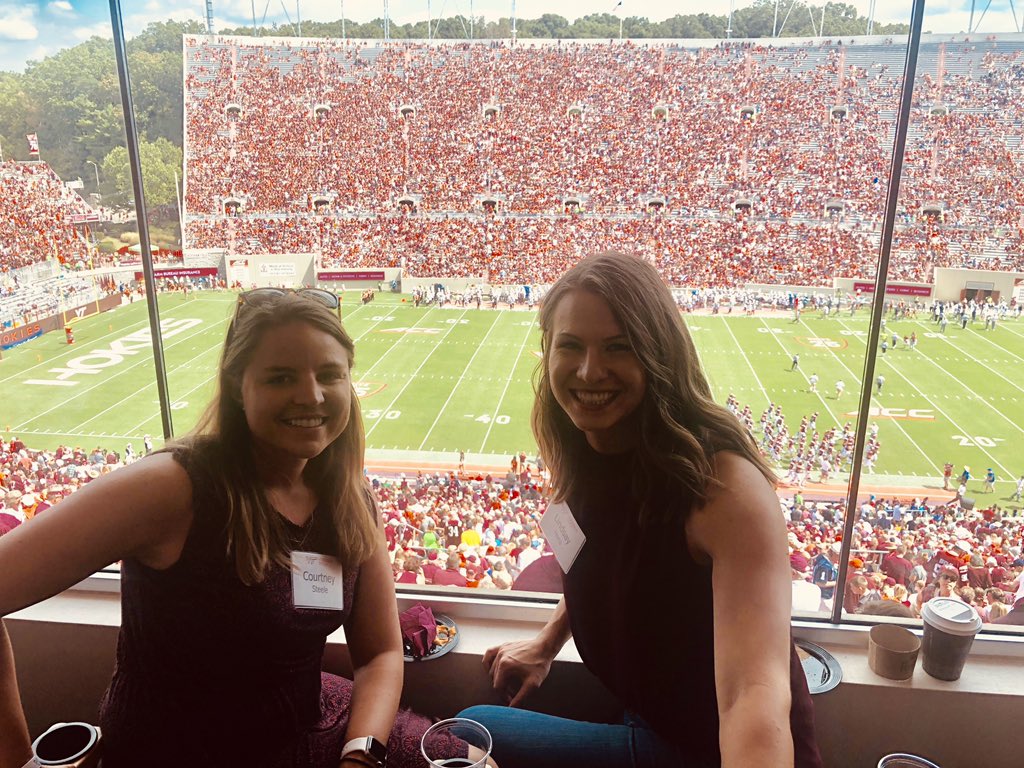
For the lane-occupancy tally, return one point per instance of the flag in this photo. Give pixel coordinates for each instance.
(33, 145)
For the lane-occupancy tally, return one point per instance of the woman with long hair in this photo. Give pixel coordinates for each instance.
(679, 597)
(243, 546)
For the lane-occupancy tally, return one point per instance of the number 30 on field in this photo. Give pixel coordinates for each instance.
(376, 413)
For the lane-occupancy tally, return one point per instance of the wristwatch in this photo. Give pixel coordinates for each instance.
(375, 750)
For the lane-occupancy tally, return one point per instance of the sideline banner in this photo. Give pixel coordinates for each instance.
(896, 289)
(182, 272)
(12, 337)
(351, 274)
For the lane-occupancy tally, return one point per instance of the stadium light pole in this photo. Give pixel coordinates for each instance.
(878, 297)
(97, 169)
(135, 166)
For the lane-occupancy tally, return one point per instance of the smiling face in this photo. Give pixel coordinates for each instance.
(296, 393)
(594, 373)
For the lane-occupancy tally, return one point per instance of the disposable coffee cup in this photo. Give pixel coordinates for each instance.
(892, 651)
(900, 760)
(949, 629)
(65, 744)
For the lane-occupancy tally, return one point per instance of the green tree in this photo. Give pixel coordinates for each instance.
(160, 161)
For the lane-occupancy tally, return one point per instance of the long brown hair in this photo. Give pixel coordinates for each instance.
(257, 536)
(681, 427)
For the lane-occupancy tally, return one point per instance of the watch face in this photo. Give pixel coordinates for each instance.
(377, 750)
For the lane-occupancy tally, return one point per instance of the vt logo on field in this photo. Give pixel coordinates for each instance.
(421, 331)
(367, 389)
(900, 414)
(819, 342)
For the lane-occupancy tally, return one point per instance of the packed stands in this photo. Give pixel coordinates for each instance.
(490, 524)
(37, 215)
(488, 160)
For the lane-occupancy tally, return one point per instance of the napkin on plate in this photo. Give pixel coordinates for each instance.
(419, 629)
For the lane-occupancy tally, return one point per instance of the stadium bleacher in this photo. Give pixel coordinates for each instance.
(453, 128)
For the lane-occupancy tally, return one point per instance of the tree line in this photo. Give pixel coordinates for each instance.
(71, 99)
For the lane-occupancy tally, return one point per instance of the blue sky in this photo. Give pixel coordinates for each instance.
(33, 29)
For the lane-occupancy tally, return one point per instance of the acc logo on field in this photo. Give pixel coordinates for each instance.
(817, 342)
(367, 389)
(422, 331)
(899, 414)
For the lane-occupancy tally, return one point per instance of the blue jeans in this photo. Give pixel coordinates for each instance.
(524, 739)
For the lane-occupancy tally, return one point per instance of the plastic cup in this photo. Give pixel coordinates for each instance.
(900, 760)
(949, 629)
(436, 743)
(64, 743)
(892, 651)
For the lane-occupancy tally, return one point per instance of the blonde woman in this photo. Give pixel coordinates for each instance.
(243, 547)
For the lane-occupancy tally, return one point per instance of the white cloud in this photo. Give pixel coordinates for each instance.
(17, 23)
(99, 29)
(61, 8)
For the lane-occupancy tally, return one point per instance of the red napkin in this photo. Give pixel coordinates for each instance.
(419, 629)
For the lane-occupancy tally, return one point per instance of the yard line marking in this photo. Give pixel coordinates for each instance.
(856, 377)
(508, 381)
(75, 350)
(457, 383)
(739, 346)
(935, 405)
(437, 346)
(821, 396)
(142, 389)
(988, 340)
(103, 382)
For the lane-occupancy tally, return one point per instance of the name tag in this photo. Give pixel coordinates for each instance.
(317, 581)
(563, 533)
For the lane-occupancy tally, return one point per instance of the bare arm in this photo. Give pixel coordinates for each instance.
(375, 643)
(519, 667)
(141, 511)
(745, 538)
(15, 744)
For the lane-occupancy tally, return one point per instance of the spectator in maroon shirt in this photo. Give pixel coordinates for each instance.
(451, 576)
(978, 575)
(896, 566)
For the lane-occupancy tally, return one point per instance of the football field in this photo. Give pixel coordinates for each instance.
(437, 381)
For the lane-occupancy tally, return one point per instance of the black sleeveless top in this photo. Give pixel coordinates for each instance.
(211, 671)
(640, 609)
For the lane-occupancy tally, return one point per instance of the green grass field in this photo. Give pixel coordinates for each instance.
(434, 381)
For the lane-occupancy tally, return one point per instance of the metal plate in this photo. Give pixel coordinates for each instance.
(438, 650)
(821, 669)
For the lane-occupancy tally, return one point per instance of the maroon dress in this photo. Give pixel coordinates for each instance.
(211, 672)
(640, 609)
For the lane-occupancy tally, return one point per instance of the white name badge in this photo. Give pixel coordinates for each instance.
(317, 581)
(563, 533)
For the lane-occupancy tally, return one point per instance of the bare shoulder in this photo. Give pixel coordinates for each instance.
(743, 501)
(142, 511)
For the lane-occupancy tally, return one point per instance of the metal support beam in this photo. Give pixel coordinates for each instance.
(878, 298)
(135, 166)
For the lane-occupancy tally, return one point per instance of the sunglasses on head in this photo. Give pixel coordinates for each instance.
(262, 295)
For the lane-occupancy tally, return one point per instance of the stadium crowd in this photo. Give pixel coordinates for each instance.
(478, 530)
(36, 212)
(528, 131)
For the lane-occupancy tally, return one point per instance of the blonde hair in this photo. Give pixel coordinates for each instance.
(681, 426)
(997, 611)
(257, 536)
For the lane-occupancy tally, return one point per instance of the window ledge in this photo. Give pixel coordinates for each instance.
(996, 665)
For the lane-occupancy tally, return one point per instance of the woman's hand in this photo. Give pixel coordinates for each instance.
(518, 668)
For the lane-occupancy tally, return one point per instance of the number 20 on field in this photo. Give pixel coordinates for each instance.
(978, 441)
